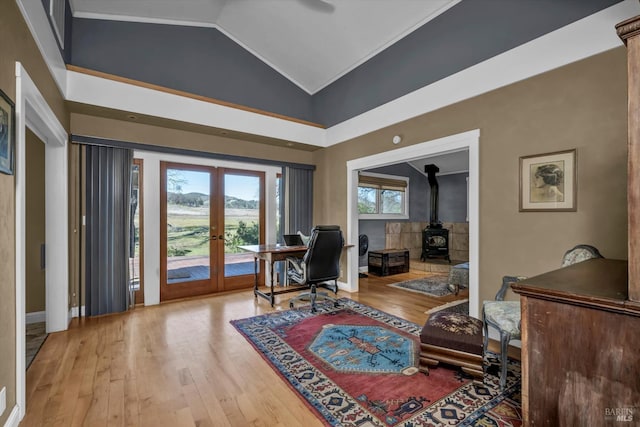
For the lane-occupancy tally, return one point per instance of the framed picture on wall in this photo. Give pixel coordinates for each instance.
(548, 182)
(7, 134)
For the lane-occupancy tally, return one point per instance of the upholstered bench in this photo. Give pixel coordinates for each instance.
(452, 338)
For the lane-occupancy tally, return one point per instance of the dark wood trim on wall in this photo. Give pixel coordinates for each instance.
(188, 95)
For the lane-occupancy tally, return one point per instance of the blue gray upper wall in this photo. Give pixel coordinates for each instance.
(205, 62)
(198, 60)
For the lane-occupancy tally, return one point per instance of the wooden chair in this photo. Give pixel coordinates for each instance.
(580, 253)
(505, 317)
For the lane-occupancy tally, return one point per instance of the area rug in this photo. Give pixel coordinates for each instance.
(354, 365)
(459, 306)
(436, 286)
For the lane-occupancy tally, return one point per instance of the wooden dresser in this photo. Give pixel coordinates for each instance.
(580, 346)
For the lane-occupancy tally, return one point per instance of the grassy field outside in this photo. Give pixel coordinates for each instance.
(188, 229)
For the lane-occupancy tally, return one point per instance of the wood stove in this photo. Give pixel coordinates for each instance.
(435, 243)
(435, 239)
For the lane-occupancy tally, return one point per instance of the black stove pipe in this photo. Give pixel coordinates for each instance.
(431, 171)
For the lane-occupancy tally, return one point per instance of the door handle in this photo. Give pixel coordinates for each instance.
(214, 238)
(221, 237)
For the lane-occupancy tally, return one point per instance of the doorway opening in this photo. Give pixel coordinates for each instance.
(467, 141)
(33, 112)
(35, 239)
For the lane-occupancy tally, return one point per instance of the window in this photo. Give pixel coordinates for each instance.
(383, 196)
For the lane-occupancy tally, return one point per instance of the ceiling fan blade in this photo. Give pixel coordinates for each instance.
(324, 6)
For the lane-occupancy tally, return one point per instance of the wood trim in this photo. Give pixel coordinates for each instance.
(164, 89)
(628, 31)
(628, 28)
(524, 355)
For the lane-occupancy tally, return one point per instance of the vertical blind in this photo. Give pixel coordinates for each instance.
(298, 190)
(108, 209)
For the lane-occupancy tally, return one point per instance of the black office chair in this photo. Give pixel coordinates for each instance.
(319, 266)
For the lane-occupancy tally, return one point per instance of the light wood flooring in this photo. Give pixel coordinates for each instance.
(181, 364)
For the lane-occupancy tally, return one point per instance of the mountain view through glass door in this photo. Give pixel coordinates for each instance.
(208, 213)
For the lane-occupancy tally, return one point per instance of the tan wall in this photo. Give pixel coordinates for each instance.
(35, 225)
(17, 45)
(582, 106)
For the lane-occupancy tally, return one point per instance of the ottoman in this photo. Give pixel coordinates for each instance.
(459, 277)
(454, 339)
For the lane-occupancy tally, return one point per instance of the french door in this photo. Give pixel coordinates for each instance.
(206, 214)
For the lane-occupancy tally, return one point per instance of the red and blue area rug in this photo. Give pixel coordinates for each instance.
(357, 366)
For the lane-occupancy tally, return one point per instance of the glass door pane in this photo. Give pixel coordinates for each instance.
(241, 222)
(242, 219)
(188, 201)
(187, 228)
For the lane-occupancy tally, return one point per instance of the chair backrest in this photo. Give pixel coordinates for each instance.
(506, 282)
(323, 256)
(580, 253)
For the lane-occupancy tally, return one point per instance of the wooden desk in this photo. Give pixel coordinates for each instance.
(579, 346)
(271, 254)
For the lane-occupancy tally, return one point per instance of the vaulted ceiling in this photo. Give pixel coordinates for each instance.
(311, 42)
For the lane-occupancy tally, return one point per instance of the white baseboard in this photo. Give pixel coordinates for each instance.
(36, 317)
(344, 286)
(74, 311)
(14, 418)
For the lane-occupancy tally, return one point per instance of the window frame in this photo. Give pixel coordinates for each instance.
(405, 204)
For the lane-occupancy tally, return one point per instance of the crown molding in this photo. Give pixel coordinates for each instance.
(628, 28)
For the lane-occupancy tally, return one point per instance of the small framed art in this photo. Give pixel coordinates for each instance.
(7, 134)
(548, 182)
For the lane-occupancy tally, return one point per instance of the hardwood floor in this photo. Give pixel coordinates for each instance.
(181, 364)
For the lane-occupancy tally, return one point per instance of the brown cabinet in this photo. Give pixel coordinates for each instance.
(580, 346)
(388, 261)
